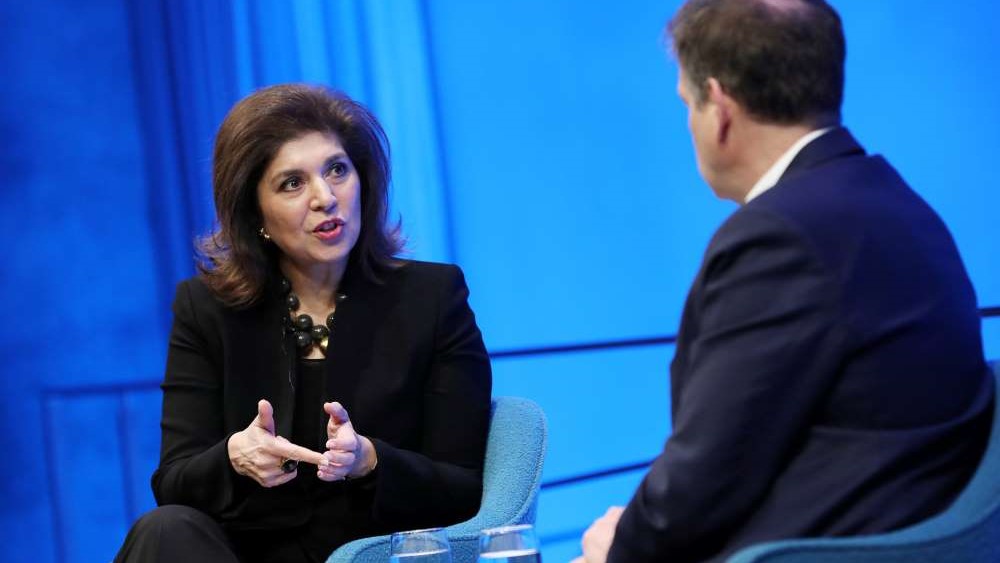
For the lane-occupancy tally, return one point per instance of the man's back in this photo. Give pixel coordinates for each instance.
(829, 377)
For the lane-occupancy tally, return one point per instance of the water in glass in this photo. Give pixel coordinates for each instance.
(511, 556)
(420, 546)
(439, 556)
(509, 544)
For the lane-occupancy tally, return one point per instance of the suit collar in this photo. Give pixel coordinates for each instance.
(837, 143)
(777, 169)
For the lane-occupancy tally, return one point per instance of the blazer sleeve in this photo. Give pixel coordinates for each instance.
(194, 465)
(764, 349)
(441, 484)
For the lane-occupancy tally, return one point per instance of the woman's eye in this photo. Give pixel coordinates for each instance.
(338, 169)
(292, 183)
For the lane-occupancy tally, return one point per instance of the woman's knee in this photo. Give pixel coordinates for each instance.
(174, 533)
(173, 518)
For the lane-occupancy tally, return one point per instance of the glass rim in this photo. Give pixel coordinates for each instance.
(421, 531)
(505, 529)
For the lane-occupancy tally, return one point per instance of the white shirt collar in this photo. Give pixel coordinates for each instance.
(773, 174)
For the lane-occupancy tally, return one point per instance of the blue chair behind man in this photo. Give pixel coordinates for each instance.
(967, 532)
(512, 474)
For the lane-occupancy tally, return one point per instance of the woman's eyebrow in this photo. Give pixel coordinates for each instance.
(281, 175)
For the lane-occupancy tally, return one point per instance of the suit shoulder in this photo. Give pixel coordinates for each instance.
(751, 225)
(845, 191)
(193, 287)
(197, 293)
(195, 302)
(427, 273)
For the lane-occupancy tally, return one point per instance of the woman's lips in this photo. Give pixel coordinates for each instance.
(329, 230)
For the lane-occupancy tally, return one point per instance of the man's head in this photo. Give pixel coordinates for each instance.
(755, 73)
(782, 60)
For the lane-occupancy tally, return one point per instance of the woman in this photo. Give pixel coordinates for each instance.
(317, 388)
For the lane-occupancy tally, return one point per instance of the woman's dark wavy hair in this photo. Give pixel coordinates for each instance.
(235, 262)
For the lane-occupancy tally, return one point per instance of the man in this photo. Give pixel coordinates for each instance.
(829, 376)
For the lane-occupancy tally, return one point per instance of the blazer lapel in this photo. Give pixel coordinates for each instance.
(359, 314)
(264, 357)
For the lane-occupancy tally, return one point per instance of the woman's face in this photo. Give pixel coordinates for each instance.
(310, 199)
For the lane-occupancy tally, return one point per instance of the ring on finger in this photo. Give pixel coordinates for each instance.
(288, 465)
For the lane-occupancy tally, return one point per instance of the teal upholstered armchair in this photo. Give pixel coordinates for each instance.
(967, 532)
(512, 474)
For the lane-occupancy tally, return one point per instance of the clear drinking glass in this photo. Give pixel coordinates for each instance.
(420, 546)
(509, 544)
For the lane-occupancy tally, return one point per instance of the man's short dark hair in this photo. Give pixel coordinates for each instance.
(782, 60)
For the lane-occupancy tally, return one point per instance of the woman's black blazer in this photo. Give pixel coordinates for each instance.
(406, 360)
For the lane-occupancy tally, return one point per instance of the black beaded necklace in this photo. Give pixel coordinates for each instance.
(307, 333)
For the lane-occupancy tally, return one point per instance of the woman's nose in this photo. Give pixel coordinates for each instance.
(323, 196)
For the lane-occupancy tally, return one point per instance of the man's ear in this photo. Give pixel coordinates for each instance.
(723, 106)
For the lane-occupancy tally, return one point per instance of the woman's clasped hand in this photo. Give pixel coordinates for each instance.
(350, 454)
(257, 452)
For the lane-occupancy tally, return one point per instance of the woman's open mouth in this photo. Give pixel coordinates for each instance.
(329, 230)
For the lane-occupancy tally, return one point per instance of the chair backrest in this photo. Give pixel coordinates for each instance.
(982, 494)
(966, 532)
(512, 475)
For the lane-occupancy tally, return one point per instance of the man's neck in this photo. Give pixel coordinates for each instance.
(764, 143)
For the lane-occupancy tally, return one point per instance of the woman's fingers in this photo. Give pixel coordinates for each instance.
(343, 447)
(284, 449)
(265, 417)
(339, 423)
(262, 454)
(340, 458)
(333, 472)
(257, 453)
(276, 476)
(339, 466)
(261, 457)
(344, 442)
(337, 412)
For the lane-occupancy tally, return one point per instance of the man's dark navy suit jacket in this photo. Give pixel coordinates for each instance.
(829, 378)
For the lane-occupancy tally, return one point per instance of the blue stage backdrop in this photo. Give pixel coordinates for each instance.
(540, 145)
